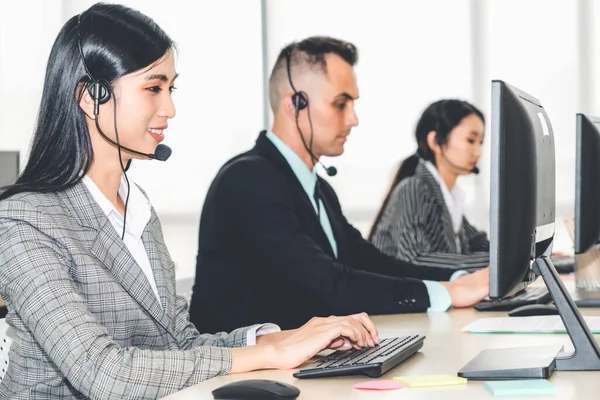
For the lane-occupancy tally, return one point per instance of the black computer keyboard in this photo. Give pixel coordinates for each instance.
(372, 362)
(539, 295)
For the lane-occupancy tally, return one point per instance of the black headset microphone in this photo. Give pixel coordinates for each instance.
(300, 101)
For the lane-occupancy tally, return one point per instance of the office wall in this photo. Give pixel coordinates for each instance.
(530, 51)
(27, 30)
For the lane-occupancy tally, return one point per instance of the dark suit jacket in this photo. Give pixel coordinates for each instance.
(263, 255)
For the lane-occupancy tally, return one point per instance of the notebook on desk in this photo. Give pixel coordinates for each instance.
(537, 324)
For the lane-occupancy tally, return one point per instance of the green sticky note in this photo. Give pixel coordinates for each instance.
(531, 387)
(431, 380)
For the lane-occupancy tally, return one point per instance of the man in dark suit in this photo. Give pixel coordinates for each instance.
(274, 244)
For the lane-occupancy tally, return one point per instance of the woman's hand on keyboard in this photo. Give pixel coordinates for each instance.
(339, 333)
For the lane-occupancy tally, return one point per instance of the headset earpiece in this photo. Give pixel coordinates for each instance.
(300, 101)
(99, 92)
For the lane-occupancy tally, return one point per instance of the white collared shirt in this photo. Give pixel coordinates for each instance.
(138, 216)
(454, 199)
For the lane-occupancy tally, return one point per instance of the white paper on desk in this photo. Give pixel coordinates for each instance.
(537, 324)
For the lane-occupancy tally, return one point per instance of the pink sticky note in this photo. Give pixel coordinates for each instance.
(379, 385)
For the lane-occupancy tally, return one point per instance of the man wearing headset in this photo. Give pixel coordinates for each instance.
(274, 245)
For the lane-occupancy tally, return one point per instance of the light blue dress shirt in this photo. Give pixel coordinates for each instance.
(439, 298)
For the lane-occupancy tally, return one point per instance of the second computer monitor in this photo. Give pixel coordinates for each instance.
(522, 191)
(587, 183)
(9, 167)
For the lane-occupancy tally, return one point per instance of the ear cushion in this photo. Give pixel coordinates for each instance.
(300, 101)
(104, 94)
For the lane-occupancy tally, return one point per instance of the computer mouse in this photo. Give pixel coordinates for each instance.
(534, 309)
(256, 389)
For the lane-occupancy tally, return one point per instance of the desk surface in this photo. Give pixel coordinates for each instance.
(445, 351)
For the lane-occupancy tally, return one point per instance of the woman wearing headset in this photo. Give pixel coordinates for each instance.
(422, 218)
(84, 270)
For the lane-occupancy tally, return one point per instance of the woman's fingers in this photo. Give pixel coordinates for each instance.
(341, 343)
(369, 326)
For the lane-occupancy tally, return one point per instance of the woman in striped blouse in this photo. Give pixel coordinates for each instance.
(422, 218)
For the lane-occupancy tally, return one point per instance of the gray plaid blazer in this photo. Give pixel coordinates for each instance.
(86, 322)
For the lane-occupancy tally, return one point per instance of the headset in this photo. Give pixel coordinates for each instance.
(101, 92)
(300, 101)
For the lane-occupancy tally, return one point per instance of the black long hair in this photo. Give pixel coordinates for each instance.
(115, 41)
(442, 117)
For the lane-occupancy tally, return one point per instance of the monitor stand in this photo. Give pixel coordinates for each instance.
(541, 361)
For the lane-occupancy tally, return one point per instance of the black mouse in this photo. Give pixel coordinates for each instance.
(534, 309)
(256, 389)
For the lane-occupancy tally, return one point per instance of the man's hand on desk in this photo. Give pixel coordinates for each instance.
(469, 289)
(292, 348)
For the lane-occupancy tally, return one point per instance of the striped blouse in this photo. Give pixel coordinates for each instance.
(416, 226)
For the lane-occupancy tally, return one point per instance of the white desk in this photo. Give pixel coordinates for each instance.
(445, 351)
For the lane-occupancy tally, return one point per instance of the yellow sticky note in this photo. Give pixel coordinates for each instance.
(538, 283)
(431, 380)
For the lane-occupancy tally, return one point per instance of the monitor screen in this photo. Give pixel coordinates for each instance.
(587, 183)
(9, 167)
(522, 191)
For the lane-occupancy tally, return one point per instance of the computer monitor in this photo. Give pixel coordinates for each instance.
(522, 213)
(522, 192)
(9, 167)
(587, 183)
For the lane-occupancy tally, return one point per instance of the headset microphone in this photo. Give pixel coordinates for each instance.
(331, 170)
(162, 152)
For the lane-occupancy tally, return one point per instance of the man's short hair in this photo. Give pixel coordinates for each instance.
(307, 54)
